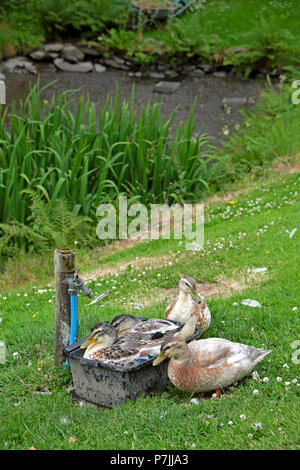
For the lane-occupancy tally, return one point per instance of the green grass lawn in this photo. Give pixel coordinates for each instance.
(249, 228)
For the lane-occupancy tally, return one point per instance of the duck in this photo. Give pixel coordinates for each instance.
(102, 336)
(189, 302)
(105, 344)
(153, 327)
(127, 349)
(207, 365)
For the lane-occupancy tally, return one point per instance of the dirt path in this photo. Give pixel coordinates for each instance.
(240, 280)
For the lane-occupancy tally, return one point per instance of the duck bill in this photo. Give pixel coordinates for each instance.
(196, 297)
(159, 359)
(88, 342)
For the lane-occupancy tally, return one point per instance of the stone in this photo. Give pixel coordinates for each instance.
(129, 63)
(29, 67)
(119, 60)
(161, 68)
(197, 73)
(156, 75)
(19, 63)
(38, 55)
(206, 67)
(51, 55)
(100, 68)
(189, 68)
(116, 63)
(49, 67)
(10, 65)
(172, 73)
(2, 76)
(81, 67)
(166, 87)
(234, 101)
(220, 74)
(90, 51)
(72, 54)
(55, 47)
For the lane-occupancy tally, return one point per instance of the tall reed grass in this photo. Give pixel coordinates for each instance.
(88, 156)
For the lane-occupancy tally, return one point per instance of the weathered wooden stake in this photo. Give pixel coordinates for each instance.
(64, 266)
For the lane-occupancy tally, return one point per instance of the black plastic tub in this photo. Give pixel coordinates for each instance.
(109, 385)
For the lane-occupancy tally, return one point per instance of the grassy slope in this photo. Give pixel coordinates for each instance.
(232, 20)
(256, 227)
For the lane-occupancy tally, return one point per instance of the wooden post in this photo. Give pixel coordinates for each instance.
(64, 266)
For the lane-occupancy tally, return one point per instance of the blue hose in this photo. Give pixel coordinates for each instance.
(74, 321)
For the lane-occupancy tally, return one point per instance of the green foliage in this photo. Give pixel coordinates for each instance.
(118, 40)
(208, 31)
(18, 28)
(267, 37)
(91, 156)
(144, 50)
(142, 58)
(65, 17)
(50, 224)
(270, 131)
(266, 45)
(61, 15)
(187, 38)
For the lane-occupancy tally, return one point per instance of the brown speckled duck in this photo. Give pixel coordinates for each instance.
(189, 303)
(207, 364)
(126, 322)
(130, 347)
(105, 345)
